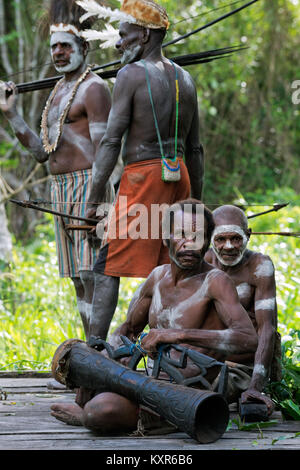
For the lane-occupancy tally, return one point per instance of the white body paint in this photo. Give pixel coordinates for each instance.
(169, 317)
(225, 341)
(88, 311)
(81, 306)
(265, 304)
(96, 129)
(264, 269)
(82, 143)
(243, 290)
(260, 369)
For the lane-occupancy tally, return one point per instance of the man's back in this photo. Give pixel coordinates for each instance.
(142, 141)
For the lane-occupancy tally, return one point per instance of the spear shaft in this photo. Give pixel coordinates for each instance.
(211, 23)
(184, 60)
(50, 82)
(276, 207)
(27, 204)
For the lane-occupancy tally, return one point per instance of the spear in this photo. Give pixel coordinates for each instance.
(276, 207)
(283, 234)
(30, 205)
(211, 23)
(50, 82)
(184, 60)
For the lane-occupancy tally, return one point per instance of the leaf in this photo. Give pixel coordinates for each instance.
(291, 408)
(297, 434)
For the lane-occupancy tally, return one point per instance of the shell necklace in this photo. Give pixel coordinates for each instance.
(44, 123)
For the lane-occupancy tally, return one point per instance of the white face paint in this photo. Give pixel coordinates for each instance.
(130, 54)
(229, 229)
(265, 304)
(76, 57)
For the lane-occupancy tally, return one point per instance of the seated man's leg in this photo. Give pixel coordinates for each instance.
(105, 299)
(109, 412)
(106, 412)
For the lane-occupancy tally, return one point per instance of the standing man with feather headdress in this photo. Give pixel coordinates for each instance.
(155, 110)
(73, 123)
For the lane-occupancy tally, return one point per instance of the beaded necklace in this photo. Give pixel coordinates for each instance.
(49, 148)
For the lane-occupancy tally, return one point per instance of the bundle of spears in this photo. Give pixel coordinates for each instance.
(184, 60)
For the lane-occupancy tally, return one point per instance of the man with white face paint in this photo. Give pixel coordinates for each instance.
(73, 123)
(254, 278)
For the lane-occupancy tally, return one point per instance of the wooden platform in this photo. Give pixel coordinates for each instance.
(26, 424)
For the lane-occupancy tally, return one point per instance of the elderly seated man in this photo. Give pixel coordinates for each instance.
(254, 278)
(187, 302)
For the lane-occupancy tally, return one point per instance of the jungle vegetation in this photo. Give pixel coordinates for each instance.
(249, 108)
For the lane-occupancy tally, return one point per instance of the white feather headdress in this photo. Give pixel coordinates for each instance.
(94, 9)
(110, 35)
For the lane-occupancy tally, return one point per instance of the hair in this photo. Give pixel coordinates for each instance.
(64, 11)
(230, 212)
(191, 203)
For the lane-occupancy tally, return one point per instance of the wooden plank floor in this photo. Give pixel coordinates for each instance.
(26, 424)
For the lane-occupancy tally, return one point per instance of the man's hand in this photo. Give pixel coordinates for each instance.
(8, 98)
(155, 337)
(252, 395)
(92, 237)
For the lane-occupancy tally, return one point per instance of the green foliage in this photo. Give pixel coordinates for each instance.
(37, 308)
(286, 393)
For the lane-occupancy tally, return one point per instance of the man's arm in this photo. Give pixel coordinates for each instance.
(97, 101)
(266, 319)
(237, 337)
(118, 122)
(194, 156)
(24, 134)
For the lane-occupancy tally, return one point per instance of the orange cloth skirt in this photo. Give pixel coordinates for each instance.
(133, 244)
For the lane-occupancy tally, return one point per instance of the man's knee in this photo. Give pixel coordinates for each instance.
(87, 277)
(109, 412)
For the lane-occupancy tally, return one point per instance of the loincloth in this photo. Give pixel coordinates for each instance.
(69, 194)
(133, 244)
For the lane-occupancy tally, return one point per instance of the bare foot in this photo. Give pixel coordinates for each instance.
(69, 413)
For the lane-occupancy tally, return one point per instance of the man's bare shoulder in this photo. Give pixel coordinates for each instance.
(132, 71)
(260, 265)
(209, 256)
(217, 282)
(159, 272)
(94, 84)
